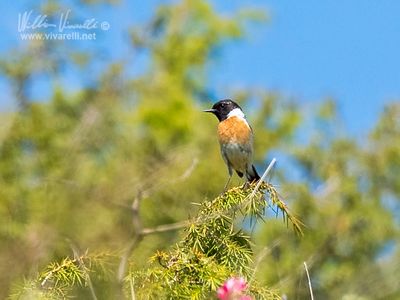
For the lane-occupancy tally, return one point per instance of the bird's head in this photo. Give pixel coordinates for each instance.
(223, 108)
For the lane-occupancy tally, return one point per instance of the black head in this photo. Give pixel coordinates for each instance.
(222, 108)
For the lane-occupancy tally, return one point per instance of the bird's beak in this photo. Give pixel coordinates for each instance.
(212, 110)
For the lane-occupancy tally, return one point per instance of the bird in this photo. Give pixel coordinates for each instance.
(235, 137)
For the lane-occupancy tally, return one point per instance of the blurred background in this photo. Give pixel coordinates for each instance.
(86, 125)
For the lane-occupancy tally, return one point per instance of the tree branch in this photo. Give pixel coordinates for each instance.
(138, 231)
(164, 228)
(136, 238)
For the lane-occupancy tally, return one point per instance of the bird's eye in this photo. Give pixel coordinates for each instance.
(222, 104)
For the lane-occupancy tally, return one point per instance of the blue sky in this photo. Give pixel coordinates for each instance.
(348, 50)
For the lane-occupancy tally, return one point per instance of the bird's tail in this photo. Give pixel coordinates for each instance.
(252, 174)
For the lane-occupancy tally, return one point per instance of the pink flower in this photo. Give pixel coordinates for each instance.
(233, 289)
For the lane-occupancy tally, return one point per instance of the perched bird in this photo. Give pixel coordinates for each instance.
(235, 138)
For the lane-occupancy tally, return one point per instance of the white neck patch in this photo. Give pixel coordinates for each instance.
(237, 112)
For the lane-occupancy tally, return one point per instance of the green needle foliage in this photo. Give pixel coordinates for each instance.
(212, 249)
(74, 271)
(60, 280)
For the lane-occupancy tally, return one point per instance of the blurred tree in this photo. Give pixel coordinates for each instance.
(349, 201)
(79, 170)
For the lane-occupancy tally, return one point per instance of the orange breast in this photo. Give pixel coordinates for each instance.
(234, 130)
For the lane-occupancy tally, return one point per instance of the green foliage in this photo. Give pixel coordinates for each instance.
(73, 165)
(59, 280)
(211, 250)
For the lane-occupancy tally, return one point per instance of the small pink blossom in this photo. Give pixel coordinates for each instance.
(233, 289)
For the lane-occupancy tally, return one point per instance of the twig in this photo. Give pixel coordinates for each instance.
(83, 267)
(48, 276)
(164, 228)
(189, 170)
(261, 255)
(137, 236)
(309, 281)
(270, 166)
(283, 281)
(131, 283)
(136, 221)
